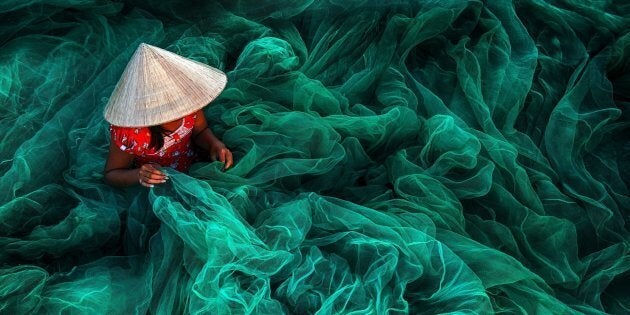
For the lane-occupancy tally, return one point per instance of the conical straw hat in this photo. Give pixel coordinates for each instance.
(159, 86)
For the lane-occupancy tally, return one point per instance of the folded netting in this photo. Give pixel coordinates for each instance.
(391, 157)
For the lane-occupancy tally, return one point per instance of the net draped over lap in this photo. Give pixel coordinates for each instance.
(392, 157)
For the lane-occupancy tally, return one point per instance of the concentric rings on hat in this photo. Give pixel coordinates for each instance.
(159, 86)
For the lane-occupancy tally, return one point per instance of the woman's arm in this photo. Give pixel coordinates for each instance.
(203, 136)
(118, 173)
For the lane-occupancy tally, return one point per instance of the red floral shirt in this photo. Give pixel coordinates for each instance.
(177, 151)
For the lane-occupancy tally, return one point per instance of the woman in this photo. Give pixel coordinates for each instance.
(156, 117)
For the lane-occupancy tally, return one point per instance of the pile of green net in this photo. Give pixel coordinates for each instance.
(392, 157)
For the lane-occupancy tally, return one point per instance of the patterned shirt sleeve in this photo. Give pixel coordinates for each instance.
(131, 140)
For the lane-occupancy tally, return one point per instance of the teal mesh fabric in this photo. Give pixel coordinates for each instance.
(392, 157)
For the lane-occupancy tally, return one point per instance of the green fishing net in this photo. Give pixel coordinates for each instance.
(392, 157)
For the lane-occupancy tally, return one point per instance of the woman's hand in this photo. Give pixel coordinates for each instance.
(218, 151)
(149, 175)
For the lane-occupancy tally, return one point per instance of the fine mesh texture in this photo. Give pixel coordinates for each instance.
(392, 157)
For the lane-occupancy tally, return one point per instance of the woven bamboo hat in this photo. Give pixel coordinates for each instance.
(159, 86)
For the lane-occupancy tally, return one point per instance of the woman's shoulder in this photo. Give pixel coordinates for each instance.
(189, 120)
(130, 139)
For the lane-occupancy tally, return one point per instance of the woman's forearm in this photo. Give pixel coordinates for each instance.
(122, 177)
(206, 138)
